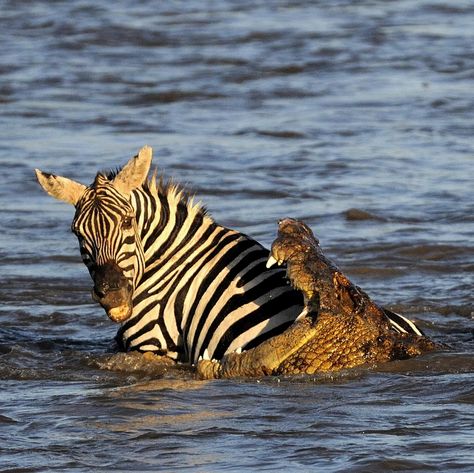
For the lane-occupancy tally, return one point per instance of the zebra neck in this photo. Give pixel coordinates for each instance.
(169, 222)
(179, 240)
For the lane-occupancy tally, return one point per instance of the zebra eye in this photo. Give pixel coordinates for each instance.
(127, 223)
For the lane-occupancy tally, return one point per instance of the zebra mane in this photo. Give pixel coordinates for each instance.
(158, 185)
(111, 174)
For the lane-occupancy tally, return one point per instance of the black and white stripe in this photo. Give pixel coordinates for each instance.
(199, 288)
(401, 324)
(205, 288)
(104, 225)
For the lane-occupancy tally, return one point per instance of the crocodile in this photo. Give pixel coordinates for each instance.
(340, 326)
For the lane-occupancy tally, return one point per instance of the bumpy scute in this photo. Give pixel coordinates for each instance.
(341, 326)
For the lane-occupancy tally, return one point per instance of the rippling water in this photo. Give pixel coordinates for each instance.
(355, 116)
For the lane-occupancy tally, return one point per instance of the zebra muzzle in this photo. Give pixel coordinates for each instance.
(117, 304)
(113, 292)
(119, 314)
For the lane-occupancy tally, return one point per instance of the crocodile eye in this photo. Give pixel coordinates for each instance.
(127, 223)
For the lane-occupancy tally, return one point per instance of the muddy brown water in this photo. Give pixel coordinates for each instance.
(354, 116)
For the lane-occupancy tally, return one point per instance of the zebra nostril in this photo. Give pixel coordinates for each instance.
(101, 289)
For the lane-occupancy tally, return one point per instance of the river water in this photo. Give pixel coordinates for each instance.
(354, 116)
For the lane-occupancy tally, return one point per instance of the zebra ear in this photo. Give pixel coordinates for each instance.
(61, 188)
(134, 173)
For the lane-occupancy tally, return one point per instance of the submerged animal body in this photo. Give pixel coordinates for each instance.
(180, 284)
(340, 326)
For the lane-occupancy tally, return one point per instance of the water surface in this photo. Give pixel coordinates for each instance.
(354, 116)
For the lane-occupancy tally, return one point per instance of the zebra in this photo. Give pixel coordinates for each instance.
(180, 284)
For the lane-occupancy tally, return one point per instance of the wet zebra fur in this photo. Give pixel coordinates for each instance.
(204, 286)
(195, 287)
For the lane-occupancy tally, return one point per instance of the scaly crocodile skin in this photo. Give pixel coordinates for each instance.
(341, 327)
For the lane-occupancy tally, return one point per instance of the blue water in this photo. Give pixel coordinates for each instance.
(354, 116)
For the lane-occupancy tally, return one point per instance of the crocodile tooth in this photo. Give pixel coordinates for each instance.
(205, 355)
(200, 358)
(239, 350)
(303, 314)
(271, 261)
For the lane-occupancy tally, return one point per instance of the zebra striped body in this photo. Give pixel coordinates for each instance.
(204, 287)
(180, 284)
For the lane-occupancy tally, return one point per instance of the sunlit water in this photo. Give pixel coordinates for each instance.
(354, 116)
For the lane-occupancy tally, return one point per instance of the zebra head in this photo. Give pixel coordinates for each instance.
(106, 227)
